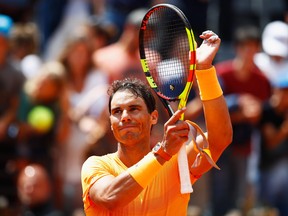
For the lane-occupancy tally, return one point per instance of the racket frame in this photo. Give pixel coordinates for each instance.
(184, 173)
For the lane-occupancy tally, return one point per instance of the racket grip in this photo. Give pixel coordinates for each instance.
(186, 186)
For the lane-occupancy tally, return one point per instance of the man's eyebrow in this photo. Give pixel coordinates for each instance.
(115, 108)
(130, 106)
(135, 105)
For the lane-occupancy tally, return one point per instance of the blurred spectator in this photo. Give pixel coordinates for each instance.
(124, 53)
(35, 192)
(42, 120)
(273, 61)
(41, 115)
(117, 12)
(244, 88)
(11, 81)
(86, 89)
(24, 51)
(273, 184)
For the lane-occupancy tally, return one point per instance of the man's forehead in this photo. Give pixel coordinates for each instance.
(126, 97)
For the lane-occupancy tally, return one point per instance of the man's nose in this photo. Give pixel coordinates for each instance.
(125, 115)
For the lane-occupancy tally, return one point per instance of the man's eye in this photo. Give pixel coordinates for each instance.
(134, 109)
(116, 111)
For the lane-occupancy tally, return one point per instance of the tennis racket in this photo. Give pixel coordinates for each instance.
(168, 57)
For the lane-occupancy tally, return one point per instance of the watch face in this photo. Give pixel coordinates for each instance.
(158, 150)
(157, 147)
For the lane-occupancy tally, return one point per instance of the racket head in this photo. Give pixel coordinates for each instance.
(168, 52)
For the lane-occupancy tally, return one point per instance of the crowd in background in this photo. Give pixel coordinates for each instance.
(57, 59)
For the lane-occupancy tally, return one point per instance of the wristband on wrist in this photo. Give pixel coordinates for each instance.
(209, 87)
(145, 170)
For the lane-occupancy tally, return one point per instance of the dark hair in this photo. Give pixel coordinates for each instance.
(137, 88)
(246, 33)
(24, 36)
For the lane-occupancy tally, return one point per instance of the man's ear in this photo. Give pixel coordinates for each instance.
(154, 117)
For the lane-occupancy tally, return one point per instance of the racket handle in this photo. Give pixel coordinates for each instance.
(186, 186)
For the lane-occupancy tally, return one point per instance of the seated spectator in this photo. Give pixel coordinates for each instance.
(84, 109)
(35, 192)
(273, 184)
(41, 115)
(273, 61)
(241, 81)
(124, 53)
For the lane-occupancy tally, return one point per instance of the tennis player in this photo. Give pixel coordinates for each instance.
(136, 180)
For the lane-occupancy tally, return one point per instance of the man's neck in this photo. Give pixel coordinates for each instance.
(131, 155)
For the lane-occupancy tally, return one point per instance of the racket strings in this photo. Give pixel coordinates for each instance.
(167, 51)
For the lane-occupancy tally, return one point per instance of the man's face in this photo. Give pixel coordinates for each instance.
(130, 120)
(33, 186)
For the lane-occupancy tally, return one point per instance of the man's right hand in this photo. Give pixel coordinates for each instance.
(175, 133)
